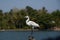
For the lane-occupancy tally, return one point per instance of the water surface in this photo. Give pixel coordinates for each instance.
(23, 35)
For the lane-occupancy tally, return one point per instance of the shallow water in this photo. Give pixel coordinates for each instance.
(19, 35)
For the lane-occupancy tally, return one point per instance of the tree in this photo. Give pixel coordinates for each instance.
(56, 15)
(1, 18)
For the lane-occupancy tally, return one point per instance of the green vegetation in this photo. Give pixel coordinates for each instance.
(14, 19)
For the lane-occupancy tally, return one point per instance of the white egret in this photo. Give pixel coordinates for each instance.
(31, 23)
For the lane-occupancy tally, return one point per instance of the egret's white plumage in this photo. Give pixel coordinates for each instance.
(31, 23)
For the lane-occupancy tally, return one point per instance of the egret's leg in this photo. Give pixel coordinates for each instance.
(32, 30)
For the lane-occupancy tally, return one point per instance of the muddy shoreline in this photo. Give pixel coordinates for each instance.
(55, 29)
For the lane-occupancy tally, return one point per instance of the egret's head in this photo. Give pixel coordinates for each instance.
(26, 16)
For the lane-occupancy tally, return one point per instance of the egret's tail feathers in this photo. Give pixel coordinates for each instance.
(37, 28)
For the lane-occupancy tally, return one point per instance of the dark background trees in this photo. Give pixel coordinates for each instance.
(14, 19)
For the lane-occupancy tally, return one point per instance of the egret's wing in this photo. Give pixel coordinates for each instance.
(32, 23)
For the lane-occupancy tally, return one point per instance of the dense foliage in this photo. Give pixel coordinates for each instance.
(14, 19)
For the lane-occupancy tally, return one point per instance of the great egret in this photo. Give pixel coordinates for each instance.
(31, 23)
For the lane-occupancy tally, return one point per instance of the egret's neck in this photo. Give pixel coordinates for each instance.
(27, 20)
